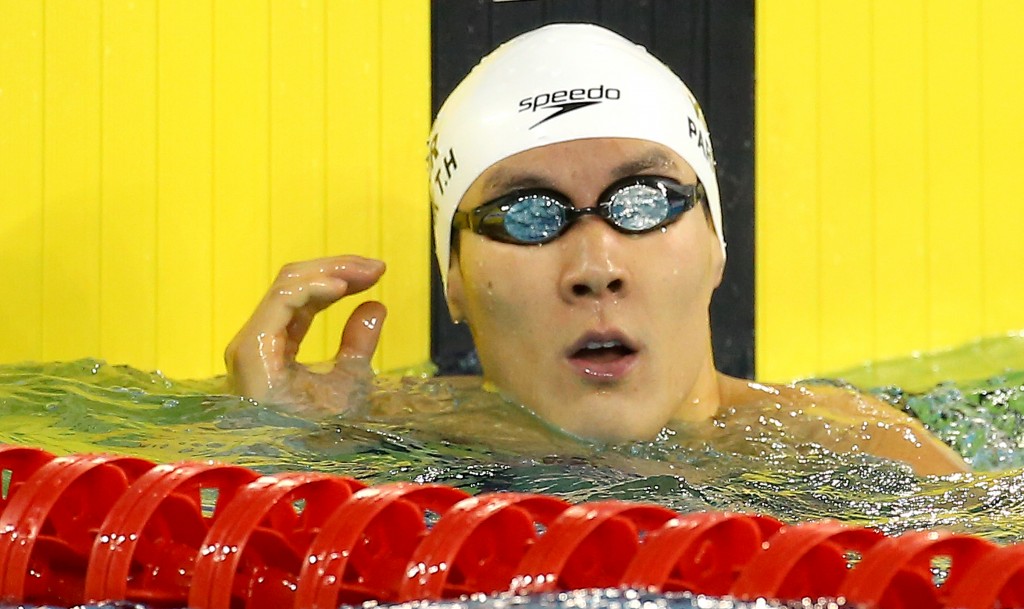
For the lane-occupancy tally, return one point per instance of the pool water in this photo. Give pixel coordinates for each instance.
(451, 431)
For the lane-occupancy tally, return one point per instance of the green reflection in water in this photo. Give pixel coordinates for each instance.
(442, 431)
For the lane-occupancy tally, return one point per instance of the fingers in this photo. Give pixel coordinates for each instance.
(362, 331)
(259, 356)
(358, 272)
(303, 289)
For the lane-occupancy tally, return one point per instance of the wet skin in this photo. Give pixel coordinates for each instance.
(531, 309)
(639, 301)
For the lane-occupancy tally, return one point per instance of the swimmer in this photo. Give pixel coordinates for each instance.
(579, 235)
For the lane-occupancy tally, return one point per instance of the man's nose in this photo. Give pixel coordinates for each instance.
(593, 265)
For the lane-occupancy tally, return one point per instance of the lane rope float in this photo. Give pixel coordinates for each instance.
(95, 528)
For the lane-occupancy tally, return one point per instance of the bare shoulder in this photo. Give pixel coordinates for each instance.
(846, 419)
(839, 403)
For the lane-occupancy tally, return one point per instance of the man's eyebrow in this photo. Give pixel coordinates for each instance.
(502, 182)
(506, 181)
(653, 160)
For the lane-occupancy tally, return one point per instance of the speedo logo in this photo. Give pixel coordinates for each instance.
(565, 101)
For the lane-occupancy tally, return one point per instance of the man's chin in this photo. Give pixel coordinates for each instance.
(610, 413)
(609, 427)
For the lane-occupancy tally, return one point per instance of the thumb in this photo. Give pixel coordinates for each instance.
(362, 331)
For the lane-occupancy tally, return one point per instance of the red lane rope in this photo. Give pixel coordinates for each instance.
(88, 528)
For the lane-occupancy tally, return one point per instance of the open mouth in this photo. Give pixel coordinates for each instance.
(603, 351)
(602, 357)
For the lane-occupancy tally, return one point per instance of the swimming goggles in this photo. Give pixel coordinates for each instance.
(633, 205)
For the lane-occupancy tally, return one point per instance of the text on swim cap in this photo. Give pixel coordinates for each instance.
(567, 100)
(703, 140)
(448, 166)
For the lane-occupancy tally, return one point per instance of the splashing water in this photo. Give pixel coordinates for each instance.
(451, 432)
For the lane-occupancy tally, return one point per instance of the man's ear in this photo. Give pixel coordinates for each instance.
(717, 259)
(455, 295)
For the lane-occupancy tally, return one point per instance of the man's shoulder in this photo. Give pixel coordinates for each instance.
(870, 424)
(838, 400)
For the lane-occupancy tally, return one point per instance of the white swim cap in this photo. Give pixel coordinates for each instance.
(555, 84)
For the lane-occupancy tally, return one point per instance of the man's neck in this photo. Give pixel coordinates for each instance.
(704, 399)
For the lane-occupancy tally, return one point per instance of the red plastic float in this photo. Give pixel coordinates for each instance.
(702, 552)
(899, 572)
(589, 545)
(258, 543)
(994, 580)
(364, 548)
(19, 463)
(804, 561)
(88, 528)
(480, 542)
(148, 545)
(50, 523)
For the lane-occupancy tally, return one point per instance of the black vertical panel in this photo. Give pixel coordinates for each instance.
(710, 44)
(572, 11)
(633, 19)
(509, 19)
(461, 35)
(680, 35)
(729, 107)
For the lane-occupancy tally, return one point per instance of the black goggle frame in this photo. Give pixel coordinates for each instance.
(489, 218)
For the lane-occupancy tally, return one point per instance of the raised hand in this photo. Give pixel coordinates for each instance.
(261, 358)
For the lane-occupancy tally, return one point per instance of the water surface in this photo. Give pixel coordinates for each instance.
(435, 430)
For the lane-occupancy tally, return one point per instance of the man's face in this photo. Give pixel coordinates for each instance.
(601, 333)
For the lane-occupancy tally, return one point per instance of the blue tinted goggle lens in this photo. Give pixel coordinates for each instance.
(638, 208)
(535, 219)
(633, 205)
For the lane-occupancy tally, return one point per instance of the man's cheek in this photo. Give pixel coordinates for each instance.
(497, 308)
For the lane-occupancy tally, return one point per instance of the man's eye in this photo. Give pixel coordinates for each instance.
(534, 218)
(639, 207)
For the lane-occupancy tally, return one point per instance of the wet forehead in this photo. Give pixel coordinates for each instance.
(534, 169)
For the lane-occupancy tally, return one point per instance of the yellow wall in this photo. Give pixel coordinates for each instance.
(889, 190)
(159, 161)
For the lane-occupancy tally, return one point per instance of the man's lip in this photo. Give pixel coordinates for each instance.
(602, 337)
(603, 370)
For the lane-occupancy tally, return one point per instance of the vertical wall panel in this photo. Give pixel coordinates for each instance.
(953, 191)
(1002, 140)
(405, 119)
(128, 182)
(571, 10)
(159, 161)
(900, 254)
(71, 182)
(845, 163)
(21, 177)
(727, 73)
(184, 199)
(353, 94)
(241, 162)
(710, 44)
(787, 237)
(944, 85)
(461, 33)
(146, 208)
(514, 18)
(297, 140)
